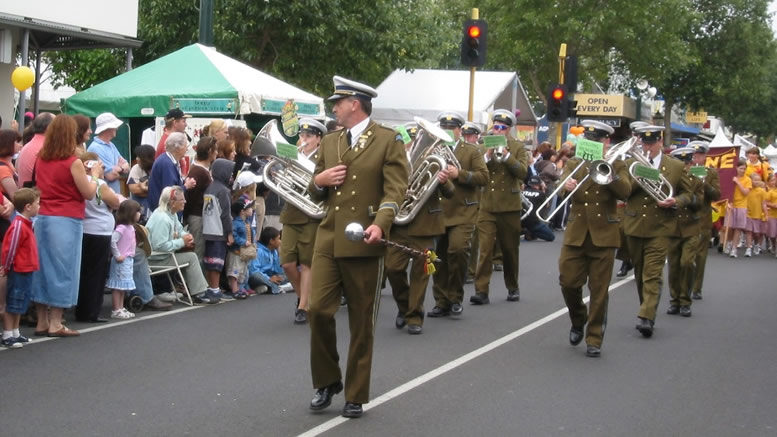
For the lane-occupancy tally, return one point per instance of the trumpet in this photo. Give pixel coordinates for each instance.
(501, 154)
(600, 171)
(428, 156)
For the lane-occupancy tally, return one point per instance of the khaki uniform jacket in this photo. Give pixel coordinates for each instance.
(711, 194)
(594, 208)
(290, 214)
(643, 218)
(503, 192)
(374, 186)
(462, 208)
(430, 221)
(688, 218)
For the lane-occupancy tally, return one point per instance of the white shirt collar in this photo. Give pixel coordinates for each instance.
(657, 160)
(358, 129)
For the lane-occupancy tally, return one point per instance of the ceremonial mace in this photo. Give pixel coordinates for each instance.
(355, 232)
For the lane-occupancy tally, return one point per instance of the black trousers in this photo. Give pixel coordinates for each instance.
(95, 261)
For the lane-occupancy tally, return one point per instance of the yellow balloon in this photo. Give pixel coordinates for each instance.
(22, 78)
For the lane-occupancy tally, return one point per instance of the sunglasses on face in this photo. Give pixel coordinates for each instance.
(501, 127)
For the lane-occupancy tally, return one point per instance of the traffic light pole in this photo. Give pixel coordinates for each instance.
(470, 112)
(562, 55)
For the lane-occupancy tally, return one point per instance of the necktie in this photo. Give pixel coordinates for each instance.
(348, 138)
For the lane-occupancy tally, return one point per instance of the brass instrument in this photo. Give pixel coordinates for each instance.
(501, 154)
(600, 172)
(428, 155)
(659, 190)
(527, 206)
(288, 178)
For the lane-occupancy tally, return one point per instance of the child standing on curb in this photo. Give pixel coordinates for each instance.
(20, 259)
(123, 241)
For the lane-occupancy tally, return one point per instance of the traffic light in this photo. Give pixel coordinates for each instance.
(558, 104)
(473, 43)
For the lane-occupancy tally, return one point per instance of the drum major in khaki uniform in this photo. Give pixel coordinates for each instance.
(499, 218)
(299, 229)
(590, 241)
(683, 246)
(453, 247)
(711, 187)
(362, 176)
(648, 225)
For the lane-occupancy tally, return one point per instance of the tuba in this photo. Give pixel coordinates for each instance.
(428, 155)
(288, 178)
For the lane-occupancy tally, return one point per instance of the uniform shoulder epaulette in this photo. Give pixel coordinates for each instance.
(334, 132)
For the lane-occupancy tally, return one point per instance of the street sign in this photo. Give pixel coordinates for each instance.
(696, 117)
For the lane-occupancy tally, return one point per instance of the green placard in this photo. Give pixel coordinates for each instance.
(286, 150)
(206, 106)
(276, 106)
(492, 141)
(589, 150)
(405, 136)
(647, 172)
(699, 171)
(450, 134)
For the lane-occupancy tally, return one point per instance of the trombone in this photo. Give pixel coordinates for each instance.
(600, 171)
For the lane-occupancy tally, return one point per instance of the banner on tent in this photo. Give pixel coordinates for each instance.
(206, 106)
(276, 107)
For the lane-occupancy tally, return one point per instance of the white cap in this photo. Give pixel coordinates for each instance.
(246, 178)
(106, 120)
(350, 88)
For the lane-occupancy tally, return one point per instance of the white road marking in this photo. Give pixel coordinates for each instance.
(447, 367)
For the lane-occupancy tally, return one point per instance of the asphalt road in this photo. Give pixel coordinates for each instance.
(242, 368)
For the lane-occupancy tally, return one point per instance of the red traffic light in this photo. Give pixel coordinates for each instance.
(473, 31)
(558, 93)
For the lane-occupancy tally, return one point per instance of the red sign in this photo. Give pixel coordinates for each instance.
(725, 160)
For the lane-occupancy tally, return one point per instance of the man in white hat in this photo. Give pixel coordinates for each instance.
(115, 165)
(361, 176)
(711, 184)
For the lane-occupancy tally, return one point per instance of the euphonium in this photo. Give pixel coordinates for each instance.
(659, 190)
(288, 178)
(428, 156)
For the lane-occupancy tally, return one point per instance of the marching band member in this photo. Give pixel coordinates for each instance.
(420, 234)
(461, 211)
(648, 224)
(471, 133)
(499, 218)
(299, 229)
(623, 252)
(361, 175)
(683, 245)
(590, 241)
(711, 187)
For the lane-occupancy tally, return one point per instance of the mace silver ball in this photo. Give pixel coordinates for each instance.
(354, 232)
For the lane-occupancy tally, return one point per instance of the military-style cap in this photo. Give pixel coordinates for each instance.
(450, 119)
(596, 130)
(312, 126)
(699, 146)
(471, 128)
(637, 124)
(505, 116)
(650, 133)
(350, 88)
(683, 153)
(411, 128)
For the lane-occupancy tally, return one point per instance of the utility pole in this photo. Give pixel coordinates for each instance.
(206, 23)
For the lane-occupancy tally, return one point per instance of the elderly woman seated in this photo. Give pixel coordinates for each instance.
(167, 235)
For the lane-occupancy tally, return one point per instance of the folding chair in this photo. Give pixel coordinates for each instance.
(165, 269)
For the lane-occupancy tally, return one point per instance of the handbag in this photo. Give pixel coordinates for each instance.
(247, 253)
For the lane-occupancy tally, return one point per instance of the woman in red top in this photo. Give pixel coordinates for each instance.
(63, 184)
(10, 140)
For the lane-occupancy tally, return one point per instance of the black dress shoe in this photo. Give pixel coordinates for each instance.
(673, 309)
(575, 336)
(645, 327)
(300, 317)
(457, 309)
(323, 396)
(479, 299)
(352, 410)
(624, 270)
(696, 296)
(414, 329)
(439, 312)
(400, 321)
(685, 311)
(593, 351)
(513, 296)
(498, 267)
